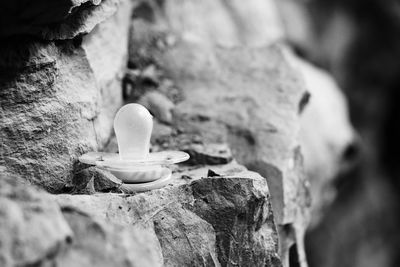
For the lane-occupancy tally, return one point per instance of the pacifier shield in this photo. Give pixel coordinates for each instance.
(112, 160)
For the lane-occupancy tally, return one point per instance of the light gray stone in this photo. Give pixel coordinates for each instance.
(34, 231)
(32, 226)
(101, 243)
(239, 86)
(93, 179)
(54, 20)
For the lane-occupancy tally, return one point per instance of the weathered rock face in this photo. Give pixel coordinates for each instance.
(36, 232)
(243, 91)
(203, 218)
(101, 243)
(58, 99)
(53, 20)
(265, 143)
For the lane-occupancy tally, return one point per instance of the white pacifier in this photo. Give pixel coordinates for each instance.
(138, 169)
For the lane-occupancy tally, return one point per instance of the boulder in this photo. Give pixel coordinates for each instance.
(53, 20)
(35, 231)
(197, 220)
(101, 243)
(58, 100)
(93, 179)
(237, 85)
(32, 227)
(356, 44)
(329, 142)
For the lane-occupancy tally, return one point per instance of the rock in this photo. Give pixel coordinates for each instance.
(264, 143)
(159, 105)
(108, 62)
(239, 87)
(186, 62)
(83, 184)
(59, 99)
(36, 232)
(96, 180)
(105, 182)
(32, 227)
(54, 20)
(99, 243)
(212, 154)
(150, 73)
(327, 136)
(213, 221)
(330, 44)
(223, 80)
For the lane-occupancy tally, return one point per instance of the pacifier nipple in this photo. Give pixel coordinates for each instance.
(133, 125)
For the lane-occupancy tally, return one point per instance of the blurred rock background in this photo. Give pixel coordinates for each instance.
(357, 41)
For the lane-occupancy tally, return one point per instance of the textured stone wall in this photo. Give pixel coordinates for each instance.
(58, 97)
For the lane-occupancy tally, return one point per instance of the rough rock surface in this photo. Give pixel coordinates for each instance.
(58, 99)
(197, 220)
(93, 179)
(101, 243)
(26, 216)
(264, 143)
(53, 20)
(243, 91)
(36, 232)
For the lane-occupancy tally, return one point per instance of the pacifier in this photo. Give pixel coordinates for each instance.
(134, 165)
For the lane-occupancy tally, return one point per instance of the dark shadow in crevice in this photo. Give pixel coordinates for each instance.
(293, 256)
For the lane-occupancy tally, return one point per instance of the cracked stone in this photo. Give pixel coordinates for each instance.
(59, 100)
(32, 225)
(93, 179)
(210, 154)
(210, 221)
